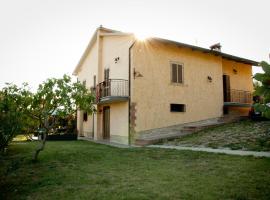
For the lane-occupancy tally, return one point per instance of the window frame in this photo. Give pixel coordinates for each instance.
(171, 70)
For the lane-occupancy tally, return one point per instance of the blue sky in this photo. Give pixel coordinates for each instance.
(46, 38)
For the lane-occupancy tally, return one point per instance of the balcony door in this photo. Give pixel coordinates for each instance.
(106, 122)
(226, 88)
(107, 84)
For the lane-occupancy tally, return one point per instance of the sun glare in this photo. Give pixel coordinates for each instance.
(141, 36)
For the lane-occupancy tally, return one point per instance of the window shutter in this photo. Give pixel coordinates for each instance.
(174, 73)
(95, 81)
(180, 74)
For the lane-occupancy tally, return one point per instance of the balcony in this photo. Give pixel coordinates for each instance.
(112, 90)
(238, 98)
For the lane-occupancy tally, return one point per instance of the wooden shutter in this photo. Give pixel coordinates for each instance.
(174, 73)
(180, 73)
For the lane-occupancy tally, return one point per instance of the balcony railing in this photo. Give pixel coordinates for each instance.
(238, 96)
(115, 88)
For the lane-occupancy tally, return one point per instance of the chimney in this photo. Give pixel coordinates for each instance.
(216, 47)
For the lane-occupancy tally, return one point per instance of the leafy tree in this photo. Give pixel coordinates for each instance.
(263, 89)
(61, 97)
(14, 101)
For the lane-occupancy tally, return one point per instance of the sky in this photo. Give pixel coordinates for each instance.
(46, 38)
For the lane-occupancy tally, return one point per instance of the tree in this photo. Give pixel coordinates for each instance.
(263, 90)
(61, 97)
(13, 103)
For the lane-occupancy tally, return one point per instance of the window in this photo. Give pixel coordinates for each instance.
(85, 116)
(178, 108)
(95, 84)
(176, 73)
(93, 89)
(106, 74)
(84, 83)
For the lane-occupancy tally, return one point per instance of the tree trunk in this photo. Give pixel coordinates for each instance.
(40, 147)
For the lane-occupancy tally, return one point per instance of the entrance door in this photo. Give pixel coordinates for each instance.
(106, 122)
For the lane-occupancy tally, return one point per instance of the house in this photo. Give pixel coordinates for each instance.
(149, 84)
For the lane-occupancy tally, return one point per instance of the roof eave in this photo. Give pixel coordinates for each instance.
(204, 50)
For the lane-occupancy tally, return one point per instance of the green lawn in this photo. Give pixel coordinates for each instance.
(85, 170)
(243, 135)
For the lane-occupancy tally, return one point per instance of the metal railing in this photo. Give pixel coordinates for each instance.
(112, 87)
(238, 96)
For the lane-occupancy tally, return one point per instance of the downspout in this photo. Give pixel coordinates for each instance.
(129, 89)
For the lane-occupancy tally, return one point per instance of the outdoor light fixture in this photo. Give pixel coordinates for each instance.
(116, 60)
(136, 74)
(234, 71)
(209, 78)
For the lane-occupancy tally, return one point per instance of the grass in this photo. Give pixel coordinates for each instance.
(243, 135)
(85, 170)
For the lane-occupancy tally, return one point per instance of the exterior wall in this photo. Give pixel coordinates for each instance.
(118, 122)
(88, 70)
(242, 80)
(113, 47)
(89, 67)
(153, 93)
(102, 55)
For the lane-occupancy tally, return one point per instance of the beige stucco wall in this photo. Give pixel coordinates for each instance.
(102, 55)
(89, 67)
(119, 118)
(153, 93)
(113, 47)
(87, 71)
(242, 80)
(118, 122)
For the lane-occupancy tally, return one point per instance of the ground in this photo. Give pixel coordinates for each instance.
(244, 135)
(85, 170)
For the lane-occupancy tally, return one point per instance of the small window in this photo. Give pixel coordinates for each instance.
(85, 116)
(176, 73)
(178, 108)
(84, 83)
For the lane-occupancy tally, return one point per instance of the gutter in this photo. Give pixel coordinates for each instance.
(129, 89)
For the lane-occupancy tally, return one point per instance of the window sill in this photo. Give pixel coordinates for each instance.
(178, 84)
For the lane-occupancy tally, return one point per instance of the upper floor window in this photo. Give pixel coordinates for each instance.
(106, 74)
(95, 82)
(176, 73)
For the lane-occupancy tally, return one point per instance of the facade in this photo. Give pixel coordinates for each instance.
(156, 83)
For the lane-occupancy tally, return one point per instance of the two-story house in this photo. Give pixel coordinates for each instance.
(154, 83)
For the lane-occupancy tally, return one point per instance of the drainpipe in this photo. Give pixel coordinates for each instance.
(129, 89)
